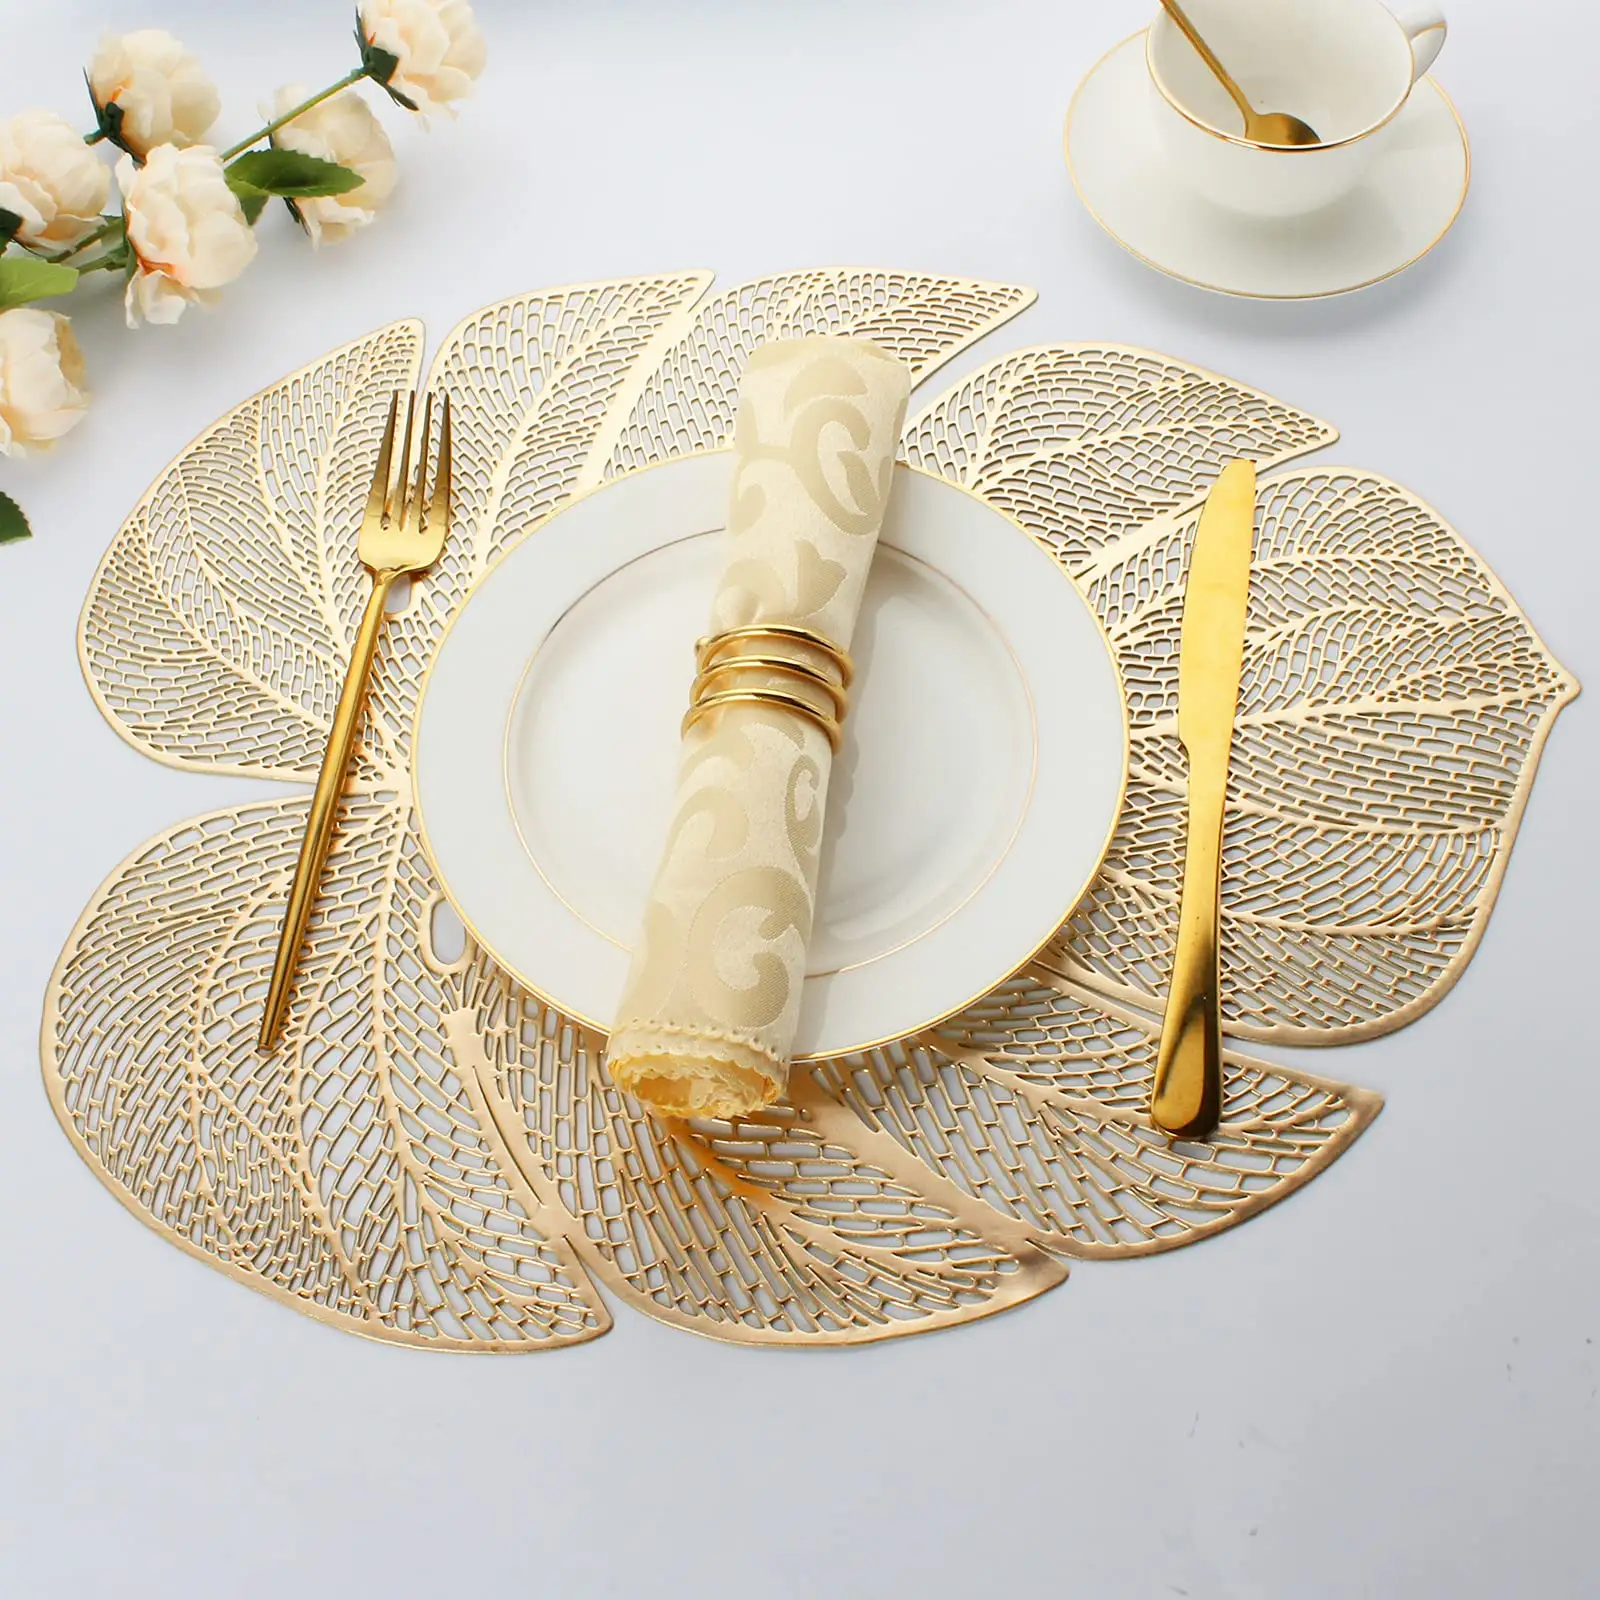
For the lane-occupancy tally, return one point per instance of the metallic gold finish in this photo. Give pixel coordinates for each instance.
(402, 533)
(1222, 289)
(437, 1158)
(716, 645)
(777, 699)
(1277, 149)
(1002, 849)
(1359, 878)
(1277, 129)
(597, 1025)
(1186, 1095)
(783, 666)
(723, 660)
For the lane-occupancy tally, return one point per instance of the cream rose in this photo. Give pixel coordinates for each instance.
(188, 233)
(343, 130)
(41, 380)
(158, 88)
(50, 179)
(437, 44)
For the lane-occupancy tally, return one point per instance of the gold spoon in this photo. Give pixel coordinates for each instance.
(1260, 127)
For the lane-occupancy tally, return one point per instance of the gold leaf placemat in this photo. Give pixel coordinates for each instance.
(1392, 710)
(435, 1158)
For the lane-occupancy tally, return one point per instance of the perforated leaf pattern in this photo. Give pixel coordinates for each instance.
(1392, 709)
(218, 626)
(800, 1225)
(1083, 444)
(1393, 705)
(539, 382)
(347, 1174)
(434, 1157)
(1058, 1082)
(689, 402)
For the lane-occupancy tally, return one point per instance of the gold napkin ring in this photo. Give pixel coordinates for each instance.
(778, 698)
(715, 644)
(720, 657)
(782, 666)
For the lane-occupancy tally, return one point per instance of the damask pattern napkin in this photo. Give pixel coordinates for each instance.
(708, 1013)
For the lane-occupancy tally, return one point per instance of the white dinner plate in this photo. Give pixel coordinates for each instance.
(1403, 206)
(971, 803)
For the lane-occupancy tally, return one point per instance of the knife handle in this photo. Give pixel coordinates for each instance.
(1186, 1100)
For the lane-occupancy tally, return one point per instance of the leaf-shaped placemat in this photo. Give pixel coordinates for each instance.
(537, 385)
(801, 1226)
(689, 402)
(436, 1158)
(1391, 714)
(217, 629)
(1085, 443)
(332, 1174)
(1393, 706)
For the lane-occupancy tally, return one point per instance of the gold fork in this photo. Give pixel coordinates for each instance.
(401, 535)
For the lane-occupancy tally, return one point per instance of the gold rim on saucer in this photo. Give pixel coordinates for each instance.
(1246, 294)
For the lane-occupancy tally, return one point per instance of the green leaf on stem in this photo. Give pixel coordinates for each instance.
(398, 98)
(23, 279)
(118, 258)
(107, 121)
(10, 222)
(290, 174)
(381, 65)
(13, 525)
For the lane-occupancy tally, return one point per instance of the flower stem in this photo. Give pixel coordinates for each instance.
(106, 263)
(289, 116)
(109, 226)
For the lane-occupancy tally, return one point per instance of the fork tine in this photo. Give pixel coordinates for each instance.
(396, 508)
(439, 506)
(378, 495)
(416, 506)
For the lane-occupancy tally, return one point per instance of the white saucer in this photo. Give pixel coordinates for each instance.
(972, 800)
(1402, 208)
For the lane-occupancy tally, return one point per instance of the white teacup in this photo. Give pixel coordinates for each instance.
(1344, 66)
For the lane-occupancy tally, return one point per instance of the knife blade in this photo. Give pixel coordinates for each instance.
(1186, 1097)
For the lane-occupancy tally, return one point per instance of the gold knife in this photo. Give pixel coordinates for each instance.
(1186, 1099)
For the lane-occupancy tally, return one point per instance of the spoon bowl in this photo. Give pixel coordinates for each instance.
(1279, 128)
(1260, 127)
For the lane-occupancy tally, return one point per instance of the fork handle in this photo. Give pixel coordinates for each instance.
(324, 809)
(1186, 1099)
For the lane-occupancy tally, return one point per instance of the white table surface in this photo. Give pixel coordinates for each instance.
(1386, 1387)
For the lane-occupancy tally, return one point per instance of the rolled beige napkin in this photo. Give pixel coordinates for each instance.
(708, 1013)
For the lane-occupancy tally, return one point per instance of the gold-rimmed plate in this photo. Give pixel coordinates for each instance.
(974, 795)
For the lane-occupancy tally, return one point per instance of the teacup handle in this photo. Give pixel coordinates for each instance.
(1425, 28)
